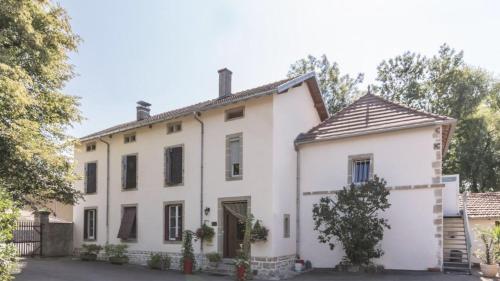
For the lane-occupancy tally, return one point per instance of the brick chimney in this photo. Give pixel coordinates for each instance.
(224, 82)
(143, 110)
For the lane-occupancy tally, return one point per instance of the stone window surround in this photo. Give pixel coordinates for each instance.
(229, 176)
(123, 206)
(128, 135)
(174, 124)
(352, 158)
(165, 165)
(220, 217)
(85, 178)
(136, 173)
(165, 204)
(90, 144)
(234, 109)
(95, 223)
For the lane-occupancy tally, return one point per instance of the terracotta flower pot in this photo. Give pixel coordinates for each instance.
(240, 272)
(489, 270)
(188, 266)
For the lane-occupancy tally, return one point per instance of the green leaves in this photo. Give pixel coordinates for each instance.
(35, 39)
(352, 219)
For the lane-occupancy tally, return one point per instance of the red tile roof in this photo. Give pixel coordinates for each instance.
(372, 114)
(483, 205)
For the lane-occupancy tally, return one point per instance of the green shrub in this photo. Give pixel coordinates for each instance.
(92, 249)
(118, 250)
(159, 261)
(8, 216)
(205, 233)
(187, 249)
(259, 232)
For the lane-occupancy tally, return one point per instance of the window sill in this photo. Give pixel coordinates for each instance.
(90, 193)
(89, 240)
(235, 178)
(174, 185)
(129, 240)
(130, 189)
(172, 241)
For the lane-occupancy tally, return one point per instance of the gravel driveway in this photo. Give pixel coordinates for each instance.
(66, 269)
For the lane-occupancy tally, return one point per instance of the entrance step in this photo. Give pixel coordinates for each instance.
(224, 268)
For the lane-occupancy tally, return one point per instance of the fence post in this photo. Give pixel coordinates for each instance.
(42, 219)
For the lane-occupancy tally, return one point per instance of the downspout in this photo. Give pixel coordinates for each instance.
(107, 189)
(297, 202)
(202, 146)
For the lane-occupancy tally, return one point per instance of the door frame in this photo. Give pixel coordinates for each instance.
(220, 217)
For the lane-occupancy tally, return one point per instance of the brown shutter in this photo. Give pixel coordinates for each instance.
(85, 223)
(167, 222)
(127, 223)
(180, 214)
(167, 166)
(176, 165)
(131, 177)
(91, 177)
(124, 171)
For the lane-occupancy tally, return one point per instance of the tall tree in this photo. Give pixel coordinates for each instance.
(446, 85)
(338, 90)
(35, 40)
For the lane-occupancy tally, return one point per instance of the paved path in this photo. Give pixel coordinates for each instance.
(65, 269)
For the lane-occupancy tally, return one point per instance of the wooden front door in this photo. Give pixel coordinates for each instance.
(234, 231)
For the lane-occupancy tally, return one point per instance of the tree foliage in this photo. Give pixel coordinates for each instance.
(353, 220)
(8, 216)
(444, 84)
(35, 39)
(338, 90)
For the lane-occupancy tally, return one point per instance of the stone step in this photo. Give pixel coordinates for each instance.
(454, 242)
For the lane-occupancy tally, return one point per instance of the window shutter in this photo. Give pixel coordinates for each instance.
(167, 220)
(127, 223)
(85, 224)
(179, 214)
(131, 174)
(124, 171)
(176, 165)
(167, 166)
(85, 178)
(91, 180)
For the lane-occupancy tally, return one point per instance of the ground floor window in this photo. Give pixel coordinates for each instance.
(173, 222)
(89, 224)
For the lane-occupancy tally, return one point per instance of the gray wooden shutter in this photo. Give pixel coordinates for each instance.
(85, 223)
(127, 222)
(180, 214)
(124, 171)
(176, 165)
(167, 166)
(91, 177)
(131, 177)
(85, 180)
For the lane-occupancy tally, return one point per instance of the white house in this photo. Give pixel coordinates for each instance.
(255, 152)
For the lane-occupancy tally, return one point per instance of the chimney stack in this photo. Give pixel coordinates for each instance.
(143, 110)
(224, 82)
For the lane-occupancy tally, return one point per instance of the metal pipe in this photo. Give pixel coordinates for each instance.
(202, 147)
(107, 188)
(297, 202)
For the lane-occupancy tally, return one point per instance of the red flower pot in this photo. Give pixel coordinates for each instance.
(240, 273)
(188, 266)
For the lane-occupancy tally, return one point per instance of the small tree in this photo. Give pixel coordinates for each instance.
(187, 249)
(353, 220)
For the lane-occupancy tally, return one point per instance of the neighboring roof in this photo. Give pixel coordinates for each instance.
(373, 114)
(482, 205)
(277, 87)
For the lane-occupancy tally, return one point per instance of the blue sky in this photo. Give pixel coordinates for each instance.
(168, 52)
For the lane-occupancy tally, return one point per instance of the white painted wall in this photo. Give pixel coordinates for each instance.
(293, 113)
(401, 158)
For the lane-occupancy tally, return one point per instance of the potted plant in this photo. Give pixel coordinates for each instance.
(205, 233)
(116, 253)
(89, 252)
(213, 259)
(187, 261)
(259, 232)
(299, 264)
(159, 262)
(488, 265)
(242, 266)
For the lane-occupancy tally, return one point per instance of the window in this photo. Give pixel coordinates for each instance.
(235, 113)
(91, 146)
(129, 171)
(90, 177)
(129, 138)
(173, 222)
(174, 127)
(286, 226)
(90, 224)
(361, 171)
(174, 157)
(234, 167)
(128, 225)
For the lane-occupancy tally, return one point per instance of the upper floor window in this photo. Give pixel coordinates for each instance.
(235, 113)
(129, 138)
(173, 222)
(174, 158)
(234, 151)
(90, 224)
(128, 225)
(129, 171)
(286, 226)
(360, 168)
(90, 177)
(91, 146)
(174, 127)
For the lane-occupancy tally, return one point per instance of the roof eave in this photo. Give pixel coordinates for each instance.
(376, 131)
(453, 124)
